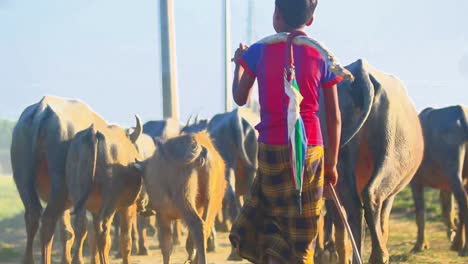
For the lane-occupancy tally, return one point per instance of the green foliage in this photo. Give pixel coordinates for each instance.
(6, 130)
(10, 202)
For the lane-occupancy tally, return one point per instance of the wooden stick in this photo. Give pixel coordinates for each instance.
(340, 208)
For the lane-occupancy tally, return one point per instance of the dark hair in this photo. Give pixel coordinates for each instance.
(296, 12)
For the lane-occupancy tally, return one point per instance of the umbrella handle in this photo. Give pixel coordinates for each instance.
(340, 209)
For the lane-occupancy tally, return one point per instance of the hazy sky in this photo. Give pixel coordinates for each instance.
(106, 52)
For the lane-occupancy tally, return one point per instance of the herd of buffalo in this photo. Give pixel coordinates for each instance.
(68, 156)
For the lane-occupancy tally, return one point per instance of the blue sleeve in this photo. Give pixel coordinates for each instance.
(250, 58)
(329, 78)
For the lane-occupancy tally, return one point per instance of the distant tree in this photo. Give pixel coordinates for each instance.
(6, 130)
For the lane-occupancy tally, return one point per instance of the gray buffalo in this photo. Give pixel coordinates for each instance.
(141, 228)
(162, 130)
(101, 176)
(38, 151)
(382, 147)
(444, 167)
(39, 148)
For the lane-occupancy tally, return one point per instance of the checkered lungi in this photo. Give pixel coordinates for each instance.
(270, 223)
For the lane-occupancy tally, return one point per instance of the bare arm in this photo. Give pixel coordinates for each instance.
(242, 82)
(333, 119)
(241, 85)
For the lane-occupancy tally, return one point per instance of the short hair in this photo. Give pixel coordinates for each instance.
(296, 12)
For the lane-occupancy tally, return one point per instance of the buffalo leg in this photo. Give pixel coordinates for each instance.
(176, 232)
(102, 225)
(373, 198)
(143, 226)
(211, 246)
(24, 174)
(127, 216)
(135, 235)
(92, 243)
(191, 251)
(231, 200)
(386, 209)
(80, 227)
(341, 237)
(32, 215)
(53, 211)
(418, 198)
(197, 231)
(448, 213)
(346, 187)
(66, 236)
(454, 169)
(116, 236)
(164, 235)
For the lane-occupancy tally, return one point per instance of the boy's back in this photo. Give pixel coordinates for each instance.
(265, 60)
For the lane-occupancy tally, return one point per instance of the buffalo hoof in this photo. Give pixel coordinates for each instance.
(463, 252)
(28, 260)
(135, 250)
(457, 243)
(234, 256)
(320, 256)
(143, 252)
(211, 247)
(420, 247)
(326, 257)
(379, 258)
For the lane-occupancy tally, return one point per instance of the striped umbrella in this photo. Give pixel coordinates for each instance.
(297, 138)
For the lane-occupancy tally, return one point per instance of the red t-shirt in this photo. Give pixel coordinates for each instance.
(265, 60)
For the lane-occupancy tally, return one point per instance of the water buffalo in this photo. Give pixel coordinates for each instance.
(382, 147)
(236, 141)
(163, 129)
(101, 176)
(141, 227)
(444, 167)
(38, 151)
(185, 180)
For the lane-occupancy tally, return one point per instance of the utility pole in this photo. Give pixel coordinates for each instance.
(250, 40)
(227, 55)
(168, 60)
(250, 23)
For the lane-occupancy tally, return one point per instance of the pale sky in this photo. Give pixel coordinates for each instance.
(106, 52)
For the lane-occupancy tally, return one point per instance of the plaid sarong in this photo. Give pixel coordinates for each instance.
(270, 222)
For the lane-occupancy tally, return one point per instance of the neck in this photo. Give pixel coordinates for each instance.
(290, 29)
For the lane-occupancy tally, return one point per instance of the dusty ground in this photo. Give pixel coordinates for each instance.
(402, 235)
